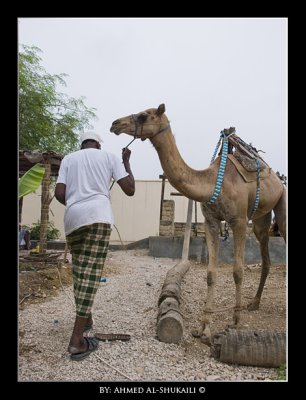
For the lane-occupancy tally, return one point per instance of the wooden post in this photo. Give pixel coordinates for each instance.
(45, 202)
(169, 320)
(196, 218)
(20, 209)
(262, 348)
(66, 251)
(163, 177)
(185, 251)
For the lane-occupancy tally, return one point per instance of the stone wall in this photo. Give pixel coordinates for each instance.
(197, 229)
(166, 225)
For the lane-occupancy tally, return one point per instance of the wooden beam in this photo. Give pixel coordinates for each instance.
(169, 320)
(163, 177)
(195, 218)
(185, 251)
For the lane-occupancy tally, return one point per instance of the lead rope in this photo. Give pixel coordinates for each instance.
(125, 148)
(124, 247)
(160, 131)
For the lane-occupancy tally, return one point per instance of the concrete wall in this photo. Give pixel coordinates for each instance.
(172, 247)
(136, 217)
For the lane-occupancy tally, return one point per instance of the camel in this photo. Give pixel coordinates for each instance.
(234, 205)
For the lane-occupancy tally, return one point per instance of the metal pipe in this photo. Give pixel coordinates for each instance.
(123, 148)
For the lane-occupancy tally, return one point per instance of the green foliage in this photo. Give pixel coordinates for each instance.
(48, 120)
(52, 233)
(31, 180)
(281, 373)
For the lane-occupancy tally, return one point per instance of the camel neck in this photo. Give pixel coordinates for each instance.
(194, 184)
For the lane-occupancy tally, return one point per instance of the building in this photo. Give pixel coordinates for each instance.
(136, 217)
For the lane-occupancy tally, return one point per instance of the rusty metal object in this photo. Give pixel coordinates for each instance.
(112, 336)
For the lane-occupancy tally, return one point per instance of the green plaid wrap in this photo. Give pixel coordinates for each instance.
(88, 246)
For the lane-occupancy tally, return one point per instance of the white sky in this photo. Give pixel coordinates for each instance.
(210, 73)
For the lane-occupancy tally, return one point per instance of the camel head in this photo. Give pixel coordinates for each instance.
(145, 124)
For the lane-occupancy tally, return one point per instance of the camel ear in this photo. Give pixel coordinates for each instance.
(161, 109)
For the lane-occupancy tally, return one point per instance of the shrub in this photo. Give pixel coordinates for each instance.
(52, 232)
(281, 373)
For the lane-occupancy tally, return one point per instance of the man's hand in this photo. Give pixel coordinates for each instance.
(126, 153)
(127, 184)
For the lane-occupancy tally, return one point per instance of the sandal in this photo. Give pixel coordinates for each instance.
(92, 346)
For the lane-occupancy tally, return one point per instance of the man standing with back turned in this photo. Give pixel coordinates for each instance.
(83, 187)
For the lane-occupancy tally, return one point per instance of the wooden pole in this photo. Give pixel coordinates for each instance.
(163, 177)
(65, 253)
(196, 218)
(185, 251)
(169, 320)
(45, 202)
(20, 209)
(261, 348)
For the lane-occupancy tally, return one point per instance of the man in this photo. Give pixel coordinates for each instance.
(83, 187)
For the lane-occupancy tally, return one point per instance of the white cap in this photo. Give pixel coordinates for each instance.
(91, 135)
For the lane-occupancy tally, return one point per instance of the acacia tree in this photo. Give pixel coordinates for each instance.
(48, 120)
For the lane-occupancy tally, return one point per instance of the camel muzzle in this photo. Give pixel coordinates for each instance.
(115, 129)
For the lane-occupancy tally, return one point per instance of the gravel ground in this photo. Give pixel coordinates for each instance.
(127, 303)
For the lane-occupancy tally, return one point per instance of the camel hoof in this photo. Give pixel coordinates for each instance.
(206, 340)
(253, 305)
(196, 333)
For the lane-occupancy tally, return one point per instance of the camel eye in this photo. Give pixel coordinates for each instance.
(142, 118)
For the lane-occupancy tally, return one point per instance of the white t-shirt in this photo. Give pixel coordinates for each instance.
(87, 174)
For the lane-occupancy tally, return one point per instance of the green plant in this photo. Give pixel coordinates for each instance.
(31, 180)
(281, 373)
(52, 232)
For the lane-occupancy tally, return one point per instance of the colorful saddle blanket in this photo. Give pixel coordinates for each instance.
(249, 176)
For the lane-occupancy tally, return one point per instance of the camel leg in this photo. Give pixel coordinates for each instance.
(261, 229)
(239, 234)
(212, 239)
(280, 214)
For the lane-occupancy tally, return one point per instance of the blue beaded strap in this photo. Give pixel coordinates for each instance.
(256, 203)
(217, 147)
(222, 165)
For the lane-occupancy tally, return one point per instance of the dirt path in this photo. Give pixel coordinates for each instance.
(127, 303)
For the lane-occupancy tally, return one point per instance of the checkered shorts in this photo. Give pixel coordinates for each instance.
(88, 246)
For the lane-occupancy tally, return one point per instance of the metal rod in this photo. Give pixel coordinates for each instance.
(130, 142)
(124, 148)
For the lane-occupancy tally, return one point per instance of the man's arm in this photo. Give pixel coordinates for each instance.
(60, 193)
(127, 183)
